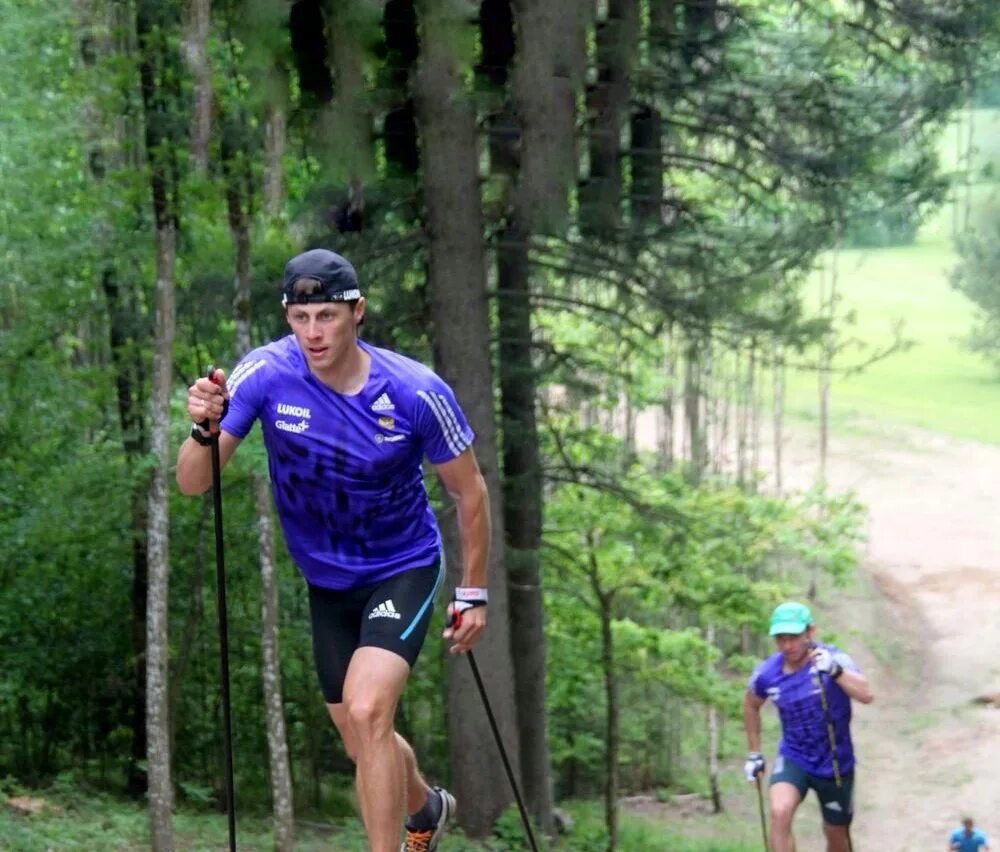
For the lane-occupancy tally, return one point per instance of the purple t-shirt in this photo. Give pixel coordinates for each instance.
(347, 470)
(804, 735)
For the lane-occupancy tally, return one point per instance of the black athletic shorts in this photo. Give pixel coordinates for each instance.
(836, 804)
(393, 614)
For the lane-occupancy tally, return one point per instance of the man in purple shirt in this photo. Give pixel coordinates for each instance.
(796, 679)
(346, 426)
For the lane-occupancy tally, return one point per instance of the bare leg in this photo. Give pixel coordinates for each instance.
(416, 787)
(365, 719)
(785, 799)
(836, 838)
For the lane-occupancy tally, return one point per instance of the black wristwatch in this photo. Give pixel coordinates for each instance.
(206, 439)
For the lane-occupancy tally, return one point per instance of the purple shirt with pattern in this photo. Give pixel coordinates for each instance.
(804, 735)
(346, 471)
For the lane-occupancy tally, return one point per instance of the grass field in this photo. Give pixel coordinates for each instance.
(99, 823)
(936, 383)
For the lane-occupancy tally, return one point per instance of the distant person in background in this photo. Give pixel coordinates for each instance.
(965, 838)
(796, 679)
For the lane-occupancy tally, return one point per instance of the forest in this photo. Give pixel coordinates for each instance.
(598, 220)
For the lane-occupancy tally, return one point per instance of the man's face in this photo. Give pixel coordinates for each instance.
(794, 646)
(325, 330)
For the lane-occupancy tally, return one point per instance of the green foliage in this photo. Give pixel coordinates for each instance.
(777, 134)
(826, 529)
(976, 278)
(685, 559)
(510, 836)
(77, 818)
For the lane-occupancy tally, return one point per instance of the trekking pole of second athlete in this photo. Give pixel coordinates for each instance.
(833, 745)
(503, 751)
(220, 593)
(763, 819)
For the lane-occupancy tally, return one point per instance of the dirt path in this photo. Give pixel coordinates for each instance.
(924, 622)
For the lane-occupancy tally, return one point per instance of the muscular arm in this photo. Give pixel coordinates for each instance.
(464, 482)
(194, 463)
(856, 686)
(751, 719)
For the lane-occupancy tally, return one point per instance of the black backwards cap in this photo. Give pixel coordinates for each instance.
(319, 275)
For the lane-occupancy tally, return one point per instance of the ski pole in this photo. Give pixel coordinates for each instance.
(220, 594)
(763, 820)
(454, 620)
(833, 743)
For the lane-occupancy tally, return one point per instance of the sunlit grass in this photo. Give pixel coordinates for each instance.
(937, 383)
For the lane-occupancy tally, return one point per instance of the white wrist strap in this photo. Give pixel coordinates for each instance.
(471, 594)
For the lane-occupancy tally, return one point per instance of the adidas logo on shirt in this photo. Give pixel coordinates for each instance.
(383, 403)
(385, 609)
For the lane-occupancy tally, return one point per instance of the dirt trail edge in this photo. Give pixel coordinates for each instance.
(923, 620)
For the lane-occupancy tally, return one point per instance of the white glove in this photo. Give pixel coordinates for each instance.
(754, 766)
(824, 662)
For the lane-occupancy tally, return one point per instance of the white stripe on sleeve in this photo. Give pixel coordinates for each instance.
(241, 373)
(445, 416)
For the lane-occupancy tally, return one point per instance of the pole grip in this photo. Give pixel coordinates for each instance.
(211, 425)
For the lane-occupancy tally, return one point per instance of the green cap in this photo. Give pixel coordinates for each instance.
(790, 617)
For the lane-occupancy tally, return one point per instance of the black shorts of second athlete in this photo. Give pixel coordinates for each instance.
(393, 614)
(836, 804)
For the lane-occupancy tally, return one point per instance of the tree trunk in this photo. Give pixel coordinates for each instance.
(646, 131)
(161, 796)
(779, 416)
(282, 803)
(131, 397)
(345, 125)
(282, 800)
(196, 31)
(191, 639)
(629, 417)
(522, 512)
(607, 102)
(828, 309)
(545, 81)
(712, 723)
(746, 400)
(460, 317)
(692, 411)
(399, 129)
(667, 427)
(275, 144)
(126, 325)
(611, 736)
(646, 153)
(970, 151)
(157, 24)
(755, 413)
(828, 306)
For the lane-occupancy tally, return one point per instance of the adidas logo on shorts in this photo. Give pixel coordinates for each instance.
(385, 609)
(383, 403)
